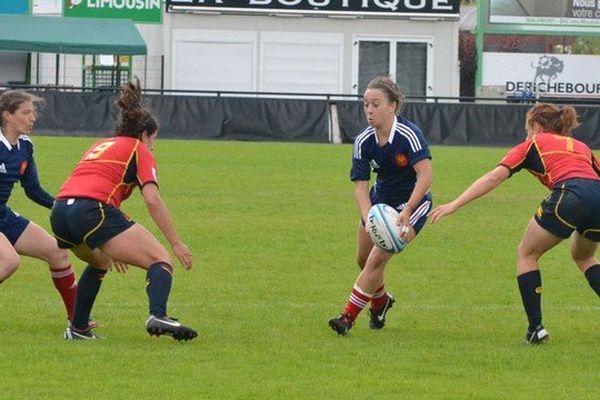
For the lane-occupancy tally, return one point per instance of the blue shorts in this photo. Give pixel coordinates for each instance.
(572, 205)
(419, 214)
(12, 224)
(77, 221)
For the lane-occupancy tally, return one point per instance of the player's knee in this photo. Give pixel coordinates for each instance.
(9, 266)
(583, 261)
(161, 259)
(525, 252)
(58, 257)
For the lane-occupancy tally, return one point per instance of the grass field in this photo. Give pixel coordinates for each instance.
(272, 227)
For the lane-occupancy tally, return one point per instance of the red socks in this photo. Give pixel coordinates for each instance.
(65, 283)
(379, 298)
(358, 300)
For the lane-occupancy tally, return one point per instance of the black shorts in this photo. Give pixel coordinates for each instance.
(572, 205)
(77, 221)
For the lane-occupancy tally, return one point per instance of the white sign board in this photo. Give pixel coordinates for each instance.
(42, 7)
(560, 75)
(546, 12)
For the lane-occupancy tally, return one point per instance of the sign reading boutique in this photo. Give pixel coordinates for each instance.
(561, 75)
(389, 8)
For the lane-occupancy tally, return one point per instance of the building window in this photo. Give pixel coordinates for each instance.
(407, 61)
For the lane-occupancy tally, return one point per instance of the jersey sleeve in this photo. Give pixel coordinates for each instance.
(417, 146)
(31, 183)
(146, 167)
(420, 154)
(516, 157)
(361, 170)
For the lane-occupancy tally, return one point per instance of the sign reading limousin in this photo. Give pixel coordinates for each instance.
(386, 8)
(140, 11)
(560, 75)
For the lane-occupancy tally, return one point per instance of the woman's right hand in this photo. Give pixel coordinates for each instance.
(184, 254)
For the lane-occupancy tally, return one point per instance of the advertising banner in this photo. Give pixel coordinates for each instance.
(546, 12)
(386, 8)
(141, 11)
(560, 75)
(14, 7)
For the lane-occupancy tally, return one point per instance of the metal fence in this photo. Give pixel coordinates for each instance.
(86, 72)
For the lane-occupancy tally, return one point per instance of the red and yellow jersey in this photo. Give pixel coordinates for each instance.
(109, 170)
(553, 158)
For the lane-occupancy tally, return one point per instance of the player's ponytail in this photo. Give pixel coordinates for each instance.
(12, 99)
(553, 119)
(568, 120)
(133, 117)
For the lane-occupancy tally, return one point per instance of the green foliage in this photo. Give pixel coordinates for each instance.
(586, 45)
(273, 227)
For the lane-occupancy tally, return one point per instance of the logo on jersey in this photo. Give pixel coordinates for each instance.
(154, 174)
(539, 212)
(2, 168)
(23, 167)
(373, 164)
(401, 160)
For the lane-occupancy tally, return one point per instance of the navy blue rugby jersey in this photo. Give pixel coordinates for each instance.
(393, 162)
(17, 165)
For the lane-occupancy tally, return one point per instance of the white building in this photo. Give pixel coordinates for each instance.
(290, 46)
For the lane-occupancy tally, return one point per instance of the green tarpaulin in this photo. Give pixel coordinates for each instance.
(25, 33)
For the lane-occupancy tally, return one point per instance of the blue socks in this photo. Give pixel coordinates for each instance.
(87, 289)
(530, 286)
(592, 275)
(158, 287)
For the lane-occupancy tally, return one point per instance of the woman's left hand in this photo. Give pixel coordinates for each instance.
(403, 221)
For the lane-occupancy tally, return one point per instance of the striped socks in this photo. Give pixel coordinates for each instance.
(379, 298)
(357, 301)
(64, 282)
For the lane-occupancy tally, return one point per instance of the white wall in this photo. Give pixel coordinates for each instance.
(444, 34)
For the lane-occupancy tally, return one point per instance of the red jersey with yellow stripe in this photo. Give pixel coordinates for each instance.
(109, 170)
(553, 158)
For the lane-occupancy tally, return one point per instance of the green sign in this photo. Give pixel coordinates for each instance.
(143, 11)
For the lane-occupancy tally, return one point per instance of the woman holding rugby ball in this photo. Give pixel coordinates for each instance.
(395, 149)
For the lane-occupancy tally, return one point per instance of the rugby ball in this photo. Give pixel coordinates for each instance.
(381, 224)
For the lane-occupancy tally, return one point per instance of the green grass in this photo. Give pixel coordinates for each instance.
(272, 228)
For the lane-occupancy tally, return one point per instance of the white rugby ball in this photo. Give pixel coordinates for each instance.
(381, 224)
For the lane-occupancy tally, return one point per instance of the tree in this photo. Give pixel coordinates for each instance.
(586, 45)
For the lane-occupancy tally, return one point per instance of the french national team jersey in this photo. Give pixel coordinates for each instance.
(553, 158)
(392, 162)
(18, 165)
(109, 171)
